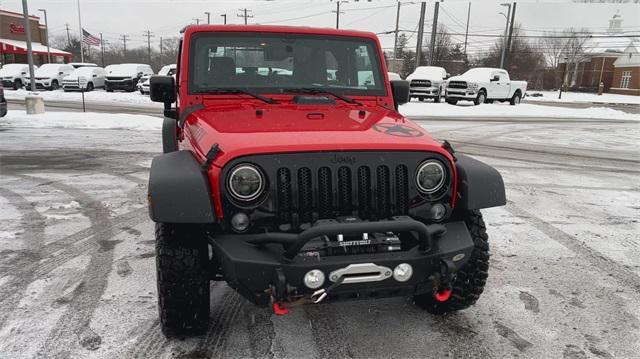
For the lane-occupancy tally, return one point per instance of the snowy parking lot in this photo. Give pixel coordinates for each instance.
(77, 263)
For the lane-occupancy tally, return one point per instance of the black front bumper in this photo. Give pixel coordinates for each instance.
(8, 84)
(265, 270)
(127, 85)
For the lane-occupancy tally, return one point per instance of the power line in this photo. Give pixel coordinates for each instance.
(124, 39)
(245, 14)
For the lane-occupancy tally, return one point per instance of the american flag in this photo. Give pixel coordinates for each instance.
(89, 39)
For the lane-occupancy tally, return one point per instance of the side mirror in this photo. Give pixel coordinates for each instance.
(447, 76)
(24, 73)
(60, 73)
(162, 89)
(400, 92)
(495, 78)
(140, 74)
(94, 75)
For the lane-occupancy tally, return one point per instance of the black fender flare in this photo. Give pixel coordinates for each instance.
(479, 185)
(179, 191)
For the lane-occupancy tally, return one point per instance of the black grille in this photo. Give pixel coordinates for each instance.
(457, 84)
(420, 83)
(367, 192)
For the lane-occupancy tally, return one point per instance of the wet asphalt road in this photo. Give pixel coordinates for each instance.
(77, 259)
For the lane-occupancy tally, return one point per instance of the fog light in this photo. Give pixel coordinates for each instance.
(402, 272)
(240, 222)
(438, 211)
(314, 279)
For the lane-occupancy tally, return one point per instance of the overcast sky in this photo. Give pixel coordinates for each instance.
(165, 17)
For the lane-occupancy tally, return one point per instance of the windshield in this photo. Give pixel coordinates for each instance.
(49, 70)
(268, 63)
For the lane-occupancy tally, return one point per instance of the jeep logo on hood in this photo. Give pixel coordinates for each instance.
(337, 159)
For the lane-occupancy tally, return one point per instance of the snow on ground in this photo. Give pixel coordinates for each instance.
(86, 120)
(97, 96)
(581, 97)
(467, 109)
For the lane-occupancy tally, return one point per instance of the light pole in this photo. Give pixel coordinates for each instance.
(564, 75)
(506, 29)
(208, 17)
(27, 31)
(46, 29)
(225, 18)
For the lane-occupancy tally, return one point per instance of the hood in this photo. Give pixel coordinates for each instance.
(8, 70)
(251, 128)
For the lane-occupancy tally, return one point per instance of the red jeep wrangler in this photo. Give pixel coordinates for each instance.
(289, 173)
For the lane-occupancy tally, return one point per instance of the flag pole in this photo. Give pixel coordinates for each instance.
(81, 34)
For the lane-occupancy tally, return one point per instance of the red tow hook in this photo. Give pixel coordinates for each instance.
(279, 310)
(442, 295)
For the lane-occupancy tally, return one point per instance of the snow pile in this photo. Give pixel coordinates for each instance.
(463, 109)
(83, 120)
(581, 97)
(97, 96)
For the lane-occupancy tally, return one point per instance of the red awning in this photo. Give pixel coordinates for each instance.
(20, 47)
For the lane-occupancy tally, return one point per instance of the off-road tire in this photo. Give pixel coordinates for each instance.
(480, 99)
(452, 102)
(183, 284)
(471, 278)
(515, 100)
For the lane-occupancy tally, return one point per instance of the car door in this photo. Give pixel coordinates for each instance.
(503, 85)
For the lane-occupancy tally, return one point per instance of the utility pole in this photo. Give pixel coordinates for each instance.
(513, 18)
(102, 49)
(225, 18)
(68, 36)
(466, 34)
(245, 15)
(81, 34)
(434, 33)
(27, 30)
(423, 9)
(161, 62)
(506, 28)
(338, 12)
(46, 27)
(124, 39)
(208, 17)
(149, 35)
(395, 42)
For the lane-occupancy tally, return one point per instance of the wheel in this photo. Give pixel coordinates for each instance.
(141, 92)
(183, 286)
(482, 97)
(515, 99)
(436, 99)
(17, 84)
(421, 98)
(488, 101)
(54, 85)
(470, 279)
(452, 102)
(89, 87)
(108, 89)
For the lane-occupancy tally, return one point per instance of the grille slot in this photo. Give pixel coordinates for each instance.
(284, 193)
(325, 192)
(383, 192)
(402, 190)
(364, 192)
(420, 83)
(305, 194)
(344, 191)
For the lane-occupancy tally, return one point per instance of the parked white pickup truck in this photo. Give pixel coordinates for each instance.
(485, 85)
(427, 82)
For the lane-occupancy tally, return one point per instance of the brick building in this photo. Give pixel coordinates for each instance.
(626, 73)
(13, 45)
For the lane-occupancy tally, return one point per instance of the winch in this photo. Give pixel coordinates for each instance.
(362, 243)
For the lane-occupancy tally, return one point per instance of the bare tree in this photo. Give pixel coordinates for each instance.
(573, 52)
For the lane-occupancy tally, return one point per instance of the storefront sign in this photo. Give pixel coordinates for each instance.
(18, 29)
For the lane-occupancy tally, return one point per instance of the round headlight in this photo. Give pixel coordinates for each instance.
(246, 182)
(431, 176)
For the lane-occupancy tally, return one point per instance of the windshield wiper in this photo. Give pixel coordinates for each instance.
(314, 91)
(235, 90)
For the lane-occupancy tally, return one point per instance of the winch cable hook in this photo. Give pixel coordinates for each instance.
(320, 294)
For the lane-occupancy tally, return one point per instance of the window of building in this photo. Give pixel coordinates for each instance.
(626, 78)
